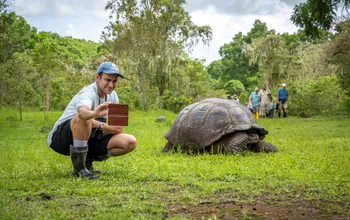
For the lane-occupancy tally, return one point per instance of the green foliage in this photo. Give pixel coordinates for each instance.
(15, 35)
(243, 98)
(316, 16)
(36, 183)
(18, 82)
(235, 64)
(306, 69)
(149, 38)
(175, 103)
(59, 65)
(329, 99)
(339, 50)
(215, 69)
(234, 87)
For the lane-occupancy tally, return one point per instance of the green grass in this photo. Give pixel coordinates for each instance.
(313, 164)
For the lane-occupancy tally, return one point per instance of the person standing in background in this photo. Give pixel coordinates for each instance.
(254, 100)
(264, 101)
(235, 99)
(272, 107)
(282, 100)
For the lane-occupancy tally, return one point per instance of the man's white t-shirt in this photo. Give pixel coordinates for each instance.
(87, 96)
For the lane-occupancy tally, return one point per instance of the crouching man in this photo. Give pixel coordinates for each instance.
(81, 132)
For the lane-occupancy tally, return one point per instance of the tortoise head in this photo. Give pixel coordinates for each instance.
(258, 130)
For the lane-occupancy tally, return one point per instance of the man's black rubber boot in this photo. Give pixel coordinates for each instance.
(284, 114)
(78, 157)
(89, 161)
(90, 167)
(279, 114)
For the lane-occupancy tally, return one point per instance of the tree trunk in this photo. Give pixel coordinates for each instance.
(142, 92)
(20, 110)
(160, 91)
(47, 101)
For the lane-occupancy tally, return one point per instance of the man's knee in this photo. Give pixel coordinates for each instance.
(76, 121)
(123, 141)
(81, 129)
(132, 143)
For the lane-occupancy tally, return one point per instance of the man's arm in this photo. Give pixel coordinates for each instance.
(111, 129)
(85, 113)
(250, 97)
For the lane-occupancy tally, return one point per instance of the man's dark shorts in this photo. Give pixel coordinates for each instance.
(63, 138)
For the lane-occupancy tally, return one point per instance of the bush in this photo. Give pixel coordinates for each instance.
(316, 97)
(234, 87)
(175, 103)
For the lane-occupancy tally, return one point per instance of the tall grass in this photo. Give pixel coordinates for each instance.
(36, 183)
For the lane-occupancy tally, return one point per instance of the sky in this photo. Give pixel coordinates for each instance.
(87, 18)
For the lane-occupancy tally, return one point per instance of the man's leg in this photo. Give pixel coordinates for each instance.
(261, 111)
(264, 110)
(285, 110)
(81, 130)
(121, 144)
(280, 109)
(108, 146)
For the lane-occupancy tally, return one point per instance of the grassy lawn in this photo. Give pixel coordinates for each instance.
(313, 165)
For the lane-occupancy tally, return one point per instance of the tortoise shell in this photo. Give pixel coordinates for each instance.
(203, 123)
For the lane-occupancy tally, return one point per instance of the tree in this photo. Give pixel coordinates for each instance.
(3, 5)
(234, 87)
(315, 16)
(339, 50)
(234, 60)
(15, 35)
(149, 37)
(47, 63)
(215, 69)
(18, 78)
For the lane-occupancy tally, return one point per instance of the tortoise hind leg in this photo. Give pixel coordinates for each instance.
(263, 146)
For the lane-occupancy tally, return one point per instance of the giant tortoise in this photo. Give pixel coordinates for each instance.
(217, 126)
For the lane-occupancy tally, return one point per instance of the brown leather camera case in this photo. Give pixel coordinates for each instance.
(118, 114)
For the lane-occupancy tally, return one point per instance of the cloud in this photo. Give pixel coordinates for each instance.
(87, 18)
(33, 7)
(233, 7)
(77, 8)
(44, 7)
(96, 8)
(225, 27)
(63, 9)
(240, 7)
(293, 2)
(71, 31)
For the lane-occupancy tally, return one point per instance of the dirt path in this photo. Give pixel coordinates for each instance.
(230, 210)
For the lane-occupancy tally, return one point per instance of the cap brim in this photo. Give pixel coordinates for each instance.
(110, 73)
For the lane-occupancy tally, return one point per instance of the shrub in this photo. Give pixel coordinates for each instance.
(175, 103)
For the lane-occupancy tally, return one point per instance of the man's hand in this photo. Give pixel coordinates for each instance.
(95, 123)
(85, 113)
(102, 109)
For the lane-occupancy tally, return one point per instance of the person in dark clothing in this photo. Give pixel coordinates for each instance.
(282, 100)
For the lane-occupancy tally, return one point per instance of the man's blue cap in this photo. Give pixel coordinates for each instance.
(109, 68)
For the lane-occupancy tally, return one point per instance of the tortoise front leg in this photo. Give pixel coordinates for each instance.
(168, 147)
(263, 146)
